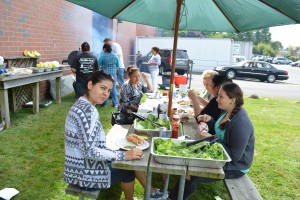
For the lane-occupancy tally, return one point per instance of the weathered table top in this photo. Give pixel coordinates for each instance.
(23, 79)
(190, 129)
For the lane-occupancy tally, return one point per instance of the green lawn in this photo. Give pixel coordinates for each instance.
(32, 152)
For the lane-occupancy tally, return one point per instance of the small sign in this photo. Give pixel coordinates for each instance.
(236, 49)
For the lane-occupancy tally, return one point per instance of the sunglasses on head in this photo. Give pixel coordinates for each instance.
(134, 69)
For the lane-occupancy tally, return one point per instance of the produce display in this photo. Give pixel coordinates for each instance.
(168, 147)
(51, 64)
(140, 124)
(32, 53)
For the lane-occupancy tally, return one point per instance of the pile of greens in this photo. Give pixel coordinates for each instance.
(140, 124)
(168, 147)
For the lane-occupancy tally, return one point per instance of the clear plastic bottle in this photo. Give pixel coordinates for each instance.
(175, 126)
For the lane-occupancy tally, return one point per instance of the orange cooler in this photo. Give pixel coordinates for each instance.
(179, 79)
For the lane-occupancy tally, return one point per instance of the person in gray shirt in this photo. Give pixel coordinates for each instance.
(236, 133)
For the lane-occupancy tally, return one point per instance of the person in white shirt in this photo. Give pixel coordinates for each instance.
(153, 64)
(117, 49)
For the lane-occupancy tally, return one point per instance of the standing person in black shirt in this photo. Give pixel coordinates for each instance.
(83, 66)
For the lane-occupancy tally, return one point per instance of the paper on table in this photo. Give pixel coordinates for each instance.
(115, 133)
(8, 193)
(145, 109)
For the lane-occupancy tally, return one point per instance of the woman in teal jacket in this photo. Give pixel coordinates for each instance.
(237, 137)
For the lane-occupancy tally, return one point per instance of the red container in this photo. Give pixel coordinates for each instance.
(178, 79)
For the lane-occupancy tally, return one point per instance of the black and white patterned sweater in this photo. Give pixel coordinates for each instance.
(86, 154)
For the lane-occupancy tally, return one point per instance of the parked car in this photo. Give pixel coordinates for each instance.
(269, 59)
(283, 61)
(259, 58)
(295, 64)
(182, 61)
(236, 59)
(253, 69)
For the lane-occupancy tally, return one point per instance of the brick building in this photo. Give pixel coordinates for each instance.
(56, 28)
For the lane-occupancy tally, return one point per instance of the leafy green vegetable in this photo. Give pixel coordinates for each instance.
(129, 147)
(148, 125)
(168, 147)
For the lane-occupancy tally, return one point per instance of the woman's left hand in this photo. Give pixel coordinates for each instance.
(205, 134)
(203, 118)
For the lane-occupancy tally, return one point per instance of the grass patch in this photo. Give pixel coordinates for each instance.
(32, 153)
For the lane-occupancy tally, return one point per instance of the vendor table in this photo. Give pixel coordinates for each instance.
(148, 164)
(19, 80)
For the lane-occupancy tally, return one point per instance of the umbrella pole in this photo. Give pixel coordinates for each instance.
(176, 26)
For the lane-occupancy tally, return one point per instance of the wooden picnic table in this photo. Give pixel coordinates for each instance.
(33, 79)
(149, 165)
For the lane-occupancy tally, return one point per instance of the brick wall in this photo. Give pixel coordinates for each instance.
(125, 34)
(55, 28)
(143, 30)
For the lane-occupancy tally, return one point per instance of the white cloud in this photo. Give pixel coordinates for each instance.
(288, 35)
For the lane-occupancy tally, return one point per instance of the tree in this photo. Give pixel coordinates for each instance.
(164, 33)
(264, 49)
(197, 34)
(262, 36)
(294, 53)
(276, 45)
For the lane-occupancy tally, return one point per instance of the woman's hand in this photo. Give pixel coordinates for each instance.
(144, 75)
(203, 118)
(192, 95)
(134, 154)
(204, 135)
(132, 107)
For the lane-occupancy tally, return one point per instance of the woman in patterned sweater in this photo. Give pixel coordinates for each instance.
(87, 159)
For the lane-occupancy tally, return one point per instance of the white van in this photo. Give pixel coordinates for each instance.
(236, 59)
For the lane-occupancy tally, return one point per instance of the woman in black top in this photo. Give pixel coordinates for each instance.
(211, 108)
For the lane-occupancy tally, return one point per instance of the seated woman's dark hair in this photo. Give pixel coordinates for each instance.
(233, 90)
(85, 46)
(132, 68)
(99, 76)
(218, 80)
(107, 48)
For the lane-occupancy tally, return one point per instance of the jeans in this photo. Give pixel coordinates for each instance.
(154, 76)
(113, 93)
(120, 75)
(191, 185)
(79, 89)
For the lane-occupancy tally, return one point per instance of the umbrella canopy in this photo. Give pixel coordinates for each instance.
(198, 15)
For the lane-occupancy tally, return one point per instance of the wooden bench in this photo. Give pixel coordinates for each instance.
(76, 191)
(242, 189)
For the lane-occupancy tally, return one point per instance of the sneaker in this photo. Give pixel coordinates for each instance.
(156, 195)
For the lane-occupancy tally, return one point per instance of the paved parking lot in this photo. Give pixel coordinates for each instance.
(285, 89)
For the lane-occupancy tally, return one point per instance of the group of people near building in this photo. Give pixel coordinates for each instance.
(111, 62)
(88, 159)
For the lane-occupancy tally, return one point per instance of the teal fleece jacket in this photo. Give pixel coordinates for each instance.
(239, 141)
